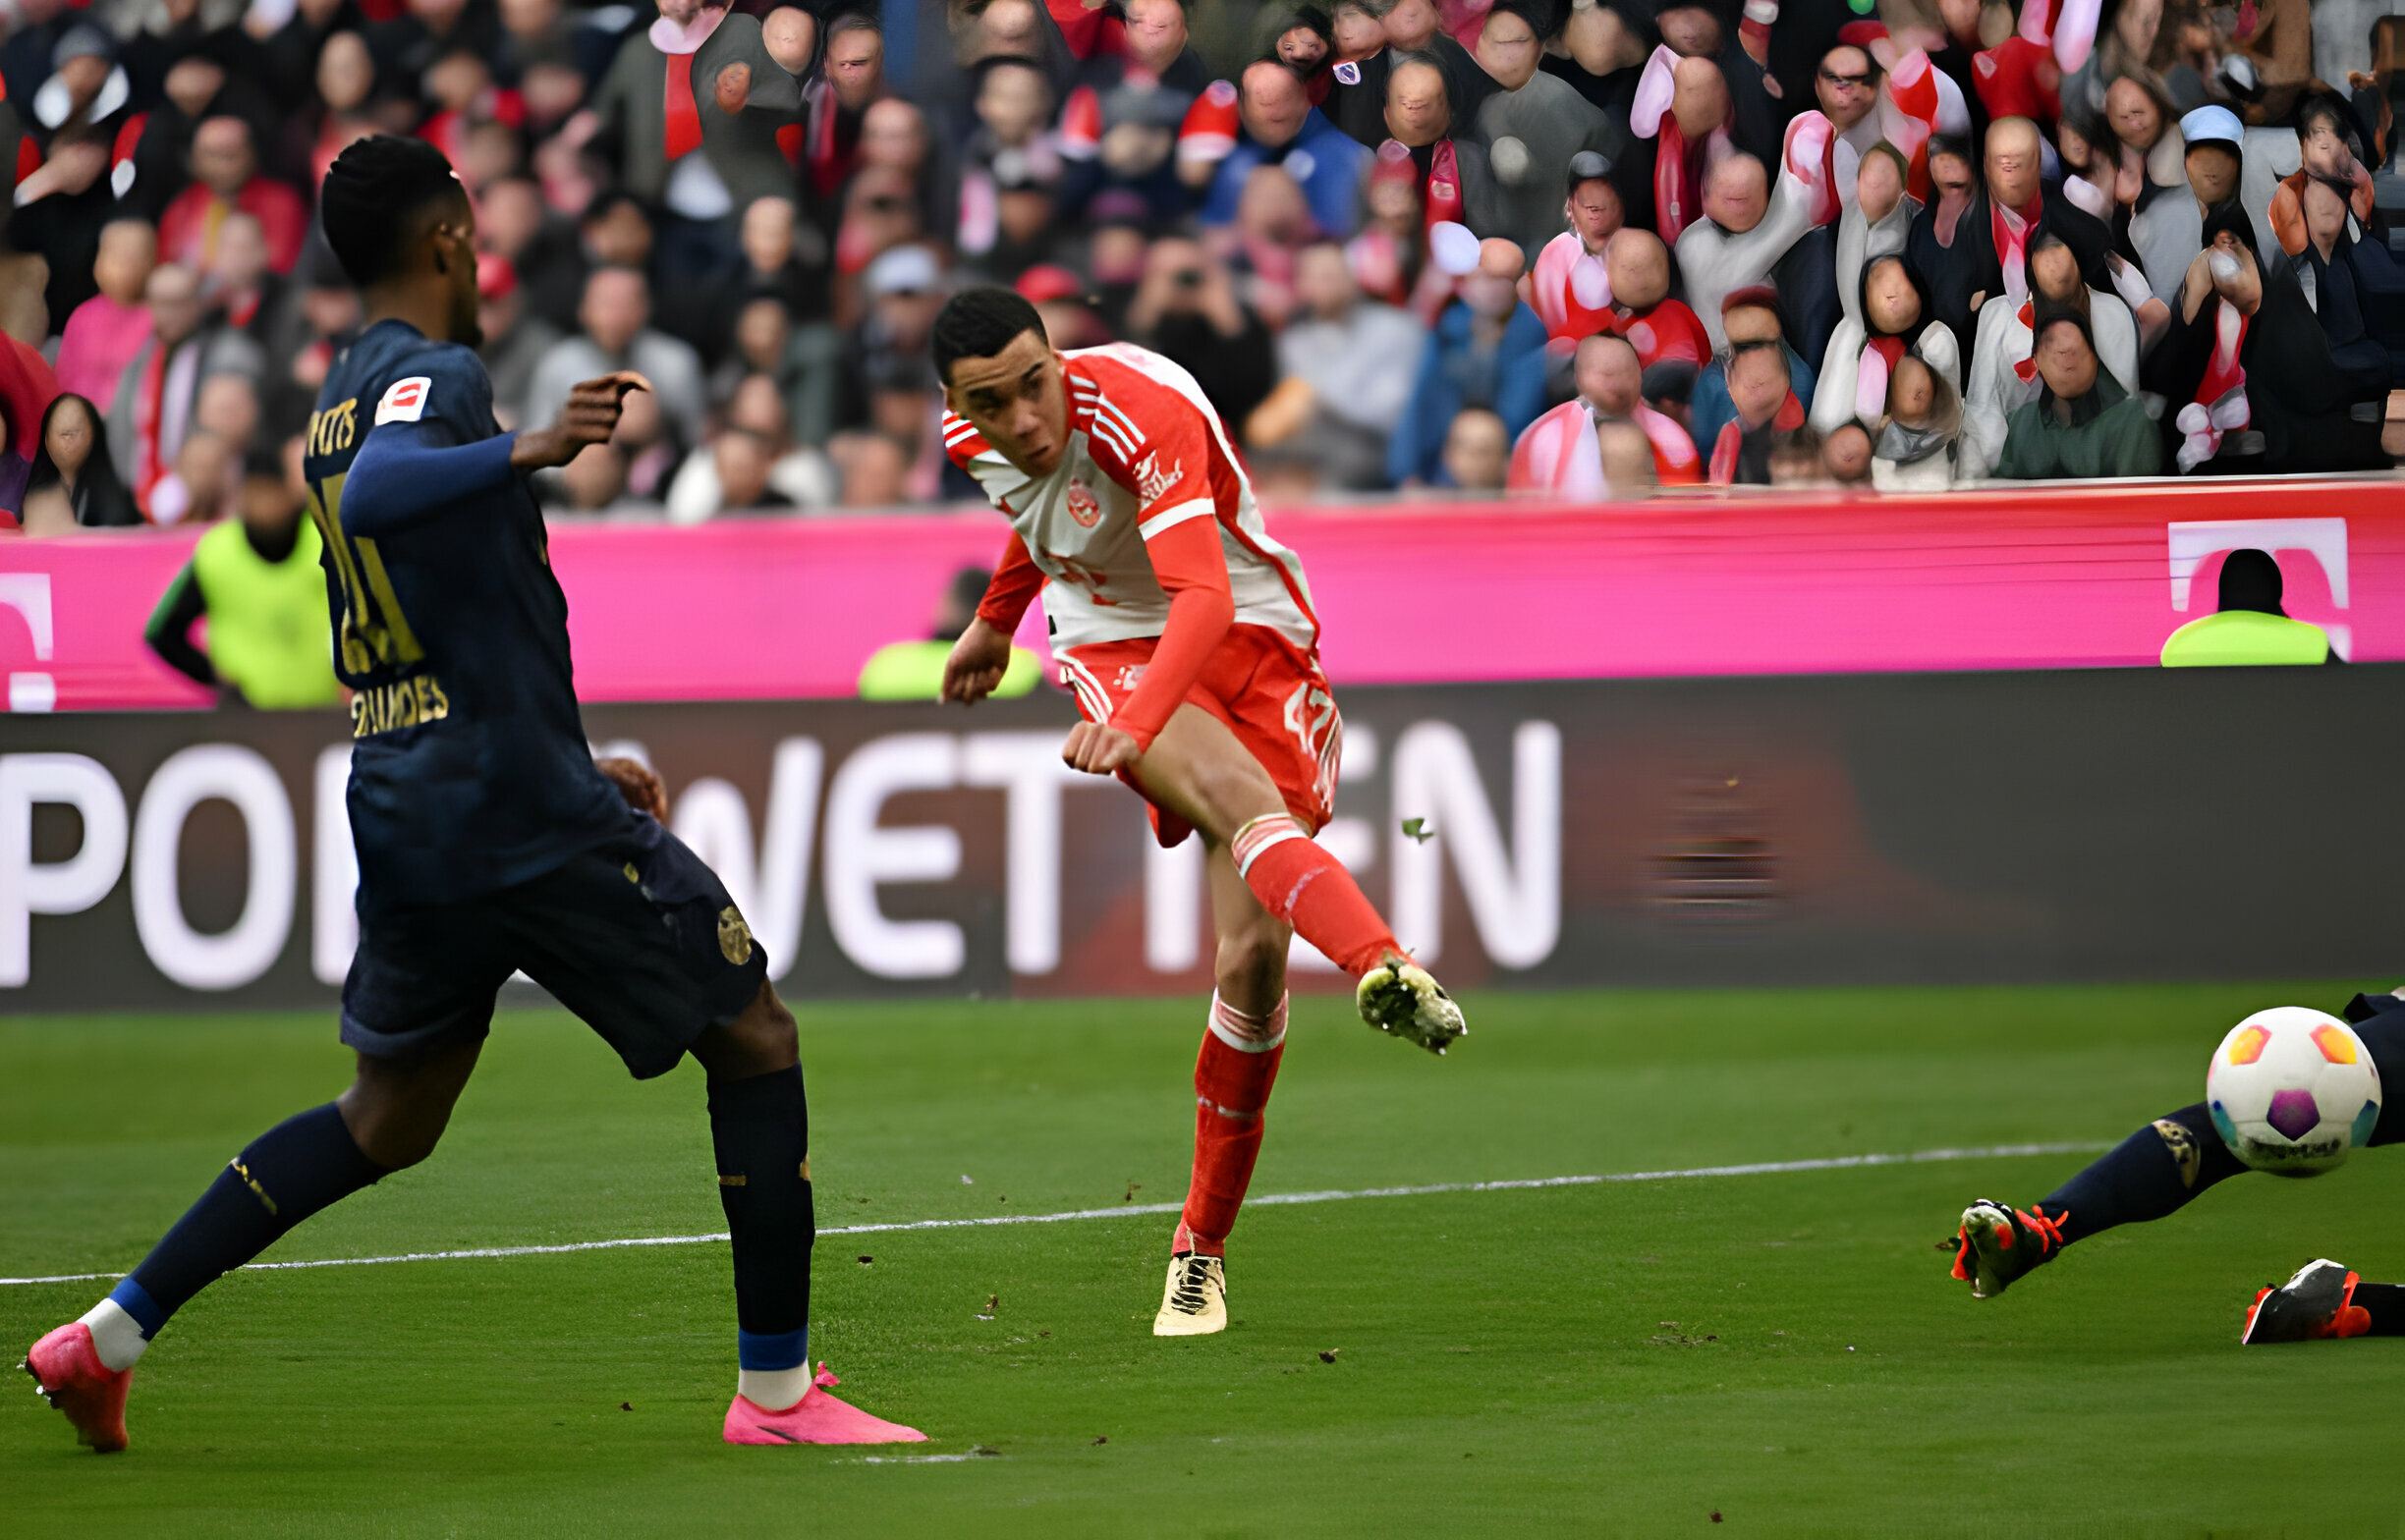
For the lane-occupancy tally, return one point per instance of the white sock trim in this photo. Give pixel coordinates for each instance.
(116, 1336)
(1259, 834)
(1244, 1033)
(773, 1389)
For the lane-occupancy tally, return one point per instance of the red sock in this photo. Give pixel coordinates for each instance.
(1238, 1065)
(1309, 889)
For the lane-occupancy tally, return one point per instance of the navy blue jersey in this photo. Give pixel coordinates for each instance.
(469, 767)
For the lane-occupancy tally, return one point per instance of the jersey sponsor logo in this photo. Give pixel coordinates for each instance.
(407, 702)
(404, 401)
(1084, 506)
(1154, 484)
(1348, 73)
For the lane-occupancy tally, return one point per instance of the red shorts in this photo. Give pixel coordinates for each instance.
(1268, 691)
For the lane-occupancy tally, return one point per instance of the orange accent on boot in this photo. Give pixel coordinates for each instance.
(2049, 1231)
(1962, 1256)
(2350, 1319)
(2260, 1294)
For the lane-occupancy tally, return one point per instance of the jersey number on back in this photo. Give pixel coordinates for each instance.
(374, 628)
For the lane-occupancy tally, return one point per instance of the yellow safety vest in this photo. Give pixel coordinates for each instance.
(913, 671)
(2243, 639)
(268, 634)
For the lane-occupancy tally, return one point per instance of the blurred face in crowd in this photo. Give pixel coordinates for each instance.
(192, 83)
(1846, 85)
(1508, 49)
(1323, 281)
(345, 73)
(1962, 20)
(1737, 195)
(128, 250)
(241, 262)
(1912, 392)
(497, 315)
(1008, 26)
(2065, 361)
(790, 37)
(1699, 97)
(880, 210)
(229, 408)
(2056, 271)
(1950, 177)
(909, 315)
(1847, 454)
(1271, 208)
(1599, 42)
(1017, 399)
(1417, 112)
(855, 66)
(1879, 187)
(620, 237)
(69, 438)
(1156, 32)
(2322, 149)
(1360, 32)
(174, 296)
(1758, 384)
(1608, 376)
(1628, 459)
(1412, 24)
(1639, 265)
(508, 215)
(1489, 297)
(616, 305)
(82, 76)
(2212, 173)
(679, 11)
(1891, 302)
(893, 136)
(204, 464)
(552, 90)
(876, 472)
(2012, 161)
(1013, 102)
(2325, 213)
(1476, 451)
(768, 234)
(1692, 32)
(2136, 25)
(760, 407)
(456, 80)
(761, 332)
(1594, 212)
(221, 155)
(438, 14)
(2130, 110)
(743, 462)
(530, 19)
(1302, 48)
(1746, 323)
(1272, 103)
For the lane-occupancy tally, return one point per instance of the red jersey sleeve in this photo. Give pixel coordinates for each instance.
(1012, 589)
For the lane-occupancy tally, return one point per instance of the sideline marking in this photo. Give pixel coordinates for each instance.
(1768, 1168)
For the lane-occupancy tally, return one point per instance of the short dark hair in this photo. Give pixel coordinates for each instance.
(978, 323)
(2324, 107)
(373, 195)
(853, 21)
(1773, 346)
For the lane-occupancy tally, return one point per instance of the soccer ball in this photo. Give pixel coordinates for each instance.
(2292, 1091)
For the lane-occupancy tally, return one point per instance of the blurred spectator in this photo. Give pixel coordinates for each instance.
(225, 178)
(1282, 128)
(1561, 452)
(1187, 309)
(1750, 315)
(789, 476)
(893, 387)
(109, 328)
(2325, 154)
(257, 582)
(805, 361)
(1344, 387)
(201, 485)
(1862, 355)
(1569, 283)
(73, 469)
(1761, 407)
(875, 468)
(2082, 424)
(1487, 350)
(1847, 456)
(2004, 373)
(1532, 125)
(1742, 237)
(615, 335)
(1476, 451)
(1796, 458)
(914, 670)
(2356, 291)
(515, 343)
(2249, 626)
(1629, 459)
(159, 387)
(1916, 449)
(1067, 311)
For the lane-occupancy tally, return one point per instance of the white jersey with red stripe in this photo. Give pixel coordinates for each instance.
(1145, 453)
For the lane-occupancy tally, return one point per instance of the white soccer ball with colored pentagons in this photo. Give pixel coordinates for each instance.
(2292, 1090)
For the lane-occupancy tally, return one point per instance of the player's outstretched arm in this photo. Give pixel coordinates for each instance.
(407, 471)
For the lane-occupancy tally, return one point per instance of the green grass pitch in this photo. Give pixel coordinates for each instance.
(1784, 1351)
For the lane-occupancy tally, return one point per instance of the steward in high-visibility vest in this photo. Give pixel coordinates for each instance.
(259, 582)
(2251, 630)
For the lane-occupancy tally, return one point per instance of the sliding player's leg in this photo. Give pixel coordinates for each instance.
(2152, 1174)
(1234, 1072)
(1201, 771)
(390, 1118)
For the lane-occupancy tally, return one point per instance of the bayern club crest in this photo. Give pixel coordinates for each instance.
(1084, 506)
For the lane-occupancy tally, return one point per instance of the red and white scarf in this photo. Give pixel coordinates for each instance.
(2011, 228)
(2220, 403)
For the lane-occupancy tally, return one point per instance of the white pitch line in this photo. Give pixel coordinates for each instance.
(1769, 1168)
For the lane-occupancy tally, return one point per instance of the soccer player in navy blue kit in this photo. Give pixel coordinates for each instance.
(488, 839)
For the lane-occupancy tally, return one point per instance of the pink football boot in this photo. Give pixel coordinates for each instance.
(71, 1378)
(817, 1418)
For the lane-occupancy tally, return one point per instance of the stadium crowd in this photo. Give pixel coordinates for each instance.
(1580, 247)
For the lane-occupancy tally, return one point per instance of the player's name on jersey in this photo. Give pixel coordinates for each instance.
(332, 430)
(384, 708)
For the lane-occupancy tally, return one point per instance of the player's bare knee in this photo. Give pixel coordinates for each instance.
(1252, 959)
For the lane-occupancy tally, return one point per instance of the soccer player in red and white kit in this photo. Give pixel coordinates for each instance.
(1188, 637)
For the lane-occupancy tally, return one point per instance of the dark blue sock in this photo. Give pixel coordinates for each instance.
(760, 1128)
(287, 1174)
(2152, 1173)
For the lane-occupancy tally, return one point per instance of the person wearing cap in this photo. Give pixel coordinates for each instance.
(2249, 626)
(1569, 285)
(1749, 315)
(2083, 424)
(1060, 299)
(1279, 127)
(2214, 160)
(86, 86)
(1532, 123)
(889, 377)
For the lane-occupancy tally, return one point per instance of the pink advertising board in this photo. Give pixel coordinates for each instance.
(2094, 574)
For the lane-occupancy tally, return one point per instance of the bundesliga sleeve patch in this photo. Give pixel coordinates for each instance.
(404, 401)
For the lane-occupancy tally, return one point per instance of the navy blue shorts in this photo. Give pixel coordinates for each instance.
(637, 937)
